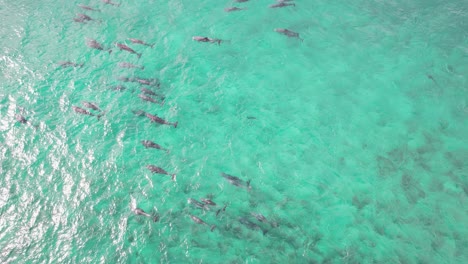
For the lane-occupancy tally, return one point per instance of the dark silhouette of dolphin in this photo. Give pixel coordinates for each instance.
(118, 88)
(91, 105)
(82, 111)
(159, 120)
(207, 39)
(236, 181)
(156, 169)
(282, 4)
(231, 9)
(144, 81)
(221, 210)
(82, 18)
(288, 33)
(137, 41)
(85, 7)
(127, 48)
(109, 2)
(139, 211)
(197, 204)
(149, 99)
(130, 65)
(150, 92)
(259, 217)
(251, 225)
(208, 201)
(151, 144)
(20, 118)
(92, 43)
(65, 64)
(201, 222)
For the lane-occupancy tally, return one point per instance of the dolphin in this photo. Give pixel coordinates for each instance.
(85, 7)
(91, 106)
(137, 41)
(208, 201)
(251, 225)
(150, 92)
(144, 81)
(65, 64)
(221, 210)
(201, 222)
(156, 169)
(236, 181)
(109, 2)
(149, 99)
(159, 120)
(207, 39)
(151, 144)
(259, 217)
(23, 120)
(127, 48)
(282, 4)
(139, 211)
(288, 33)
(129, 65)
(231, 9)
(81, 18)
(430, 77)
(197, 204)
(82, 111)
(118, 88)
(95, 45)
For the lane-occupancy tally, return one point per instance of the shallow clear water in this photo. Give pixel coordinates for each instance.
(354, 139)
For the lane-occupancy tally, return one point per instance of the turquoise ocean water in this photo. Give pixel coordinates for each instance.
(354, 140)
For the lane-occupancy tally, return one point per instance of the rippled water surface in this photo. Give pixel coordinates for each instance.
(353, 136)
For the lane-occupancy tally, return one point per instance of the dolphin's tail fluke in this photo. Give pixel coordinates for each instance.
(142, 67)
(110, 51)
(173, 177)
(152, 45)
(175, 124)
(139, 55)
(212, 228)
